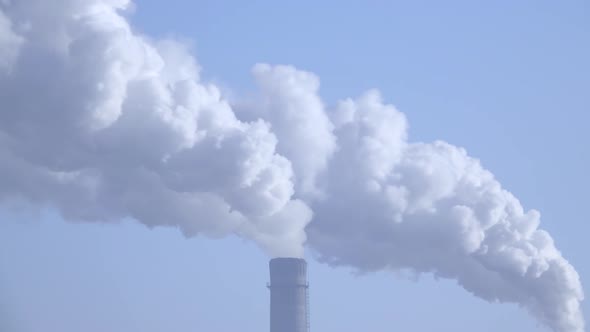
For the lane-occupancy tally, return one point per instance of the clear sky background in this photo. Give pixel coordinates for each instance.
(507, 80)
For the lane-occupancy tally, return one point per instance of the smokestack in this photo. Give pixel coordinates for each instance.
(288, 295)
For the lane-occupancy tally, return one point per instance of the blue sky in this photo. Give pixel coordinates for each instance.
(507, 80)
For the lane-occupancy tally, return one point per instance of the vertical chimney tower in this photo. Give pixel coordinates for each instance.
(288, 295)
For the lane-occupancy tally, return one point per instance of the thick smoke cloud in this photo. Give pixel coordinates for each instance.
(102, 124)
(432, 208)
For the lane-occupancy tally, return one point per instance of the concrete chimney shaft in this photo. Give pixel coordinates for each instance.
(288, 295)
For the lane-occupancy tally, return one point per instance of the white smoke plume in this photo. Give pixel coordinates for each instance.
(103, 124)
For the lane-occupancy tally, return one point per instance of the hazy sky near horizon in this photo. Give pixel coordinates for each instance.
(507, 80)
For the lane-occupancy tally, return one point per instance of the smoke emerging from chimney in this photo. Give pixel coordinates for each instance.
(104, 124)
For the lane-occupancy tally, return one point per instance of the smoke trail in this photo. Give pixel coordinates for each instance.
(104, 124)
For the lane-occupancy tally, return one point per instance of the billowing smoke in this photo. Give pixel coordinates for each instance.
(103, 124)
